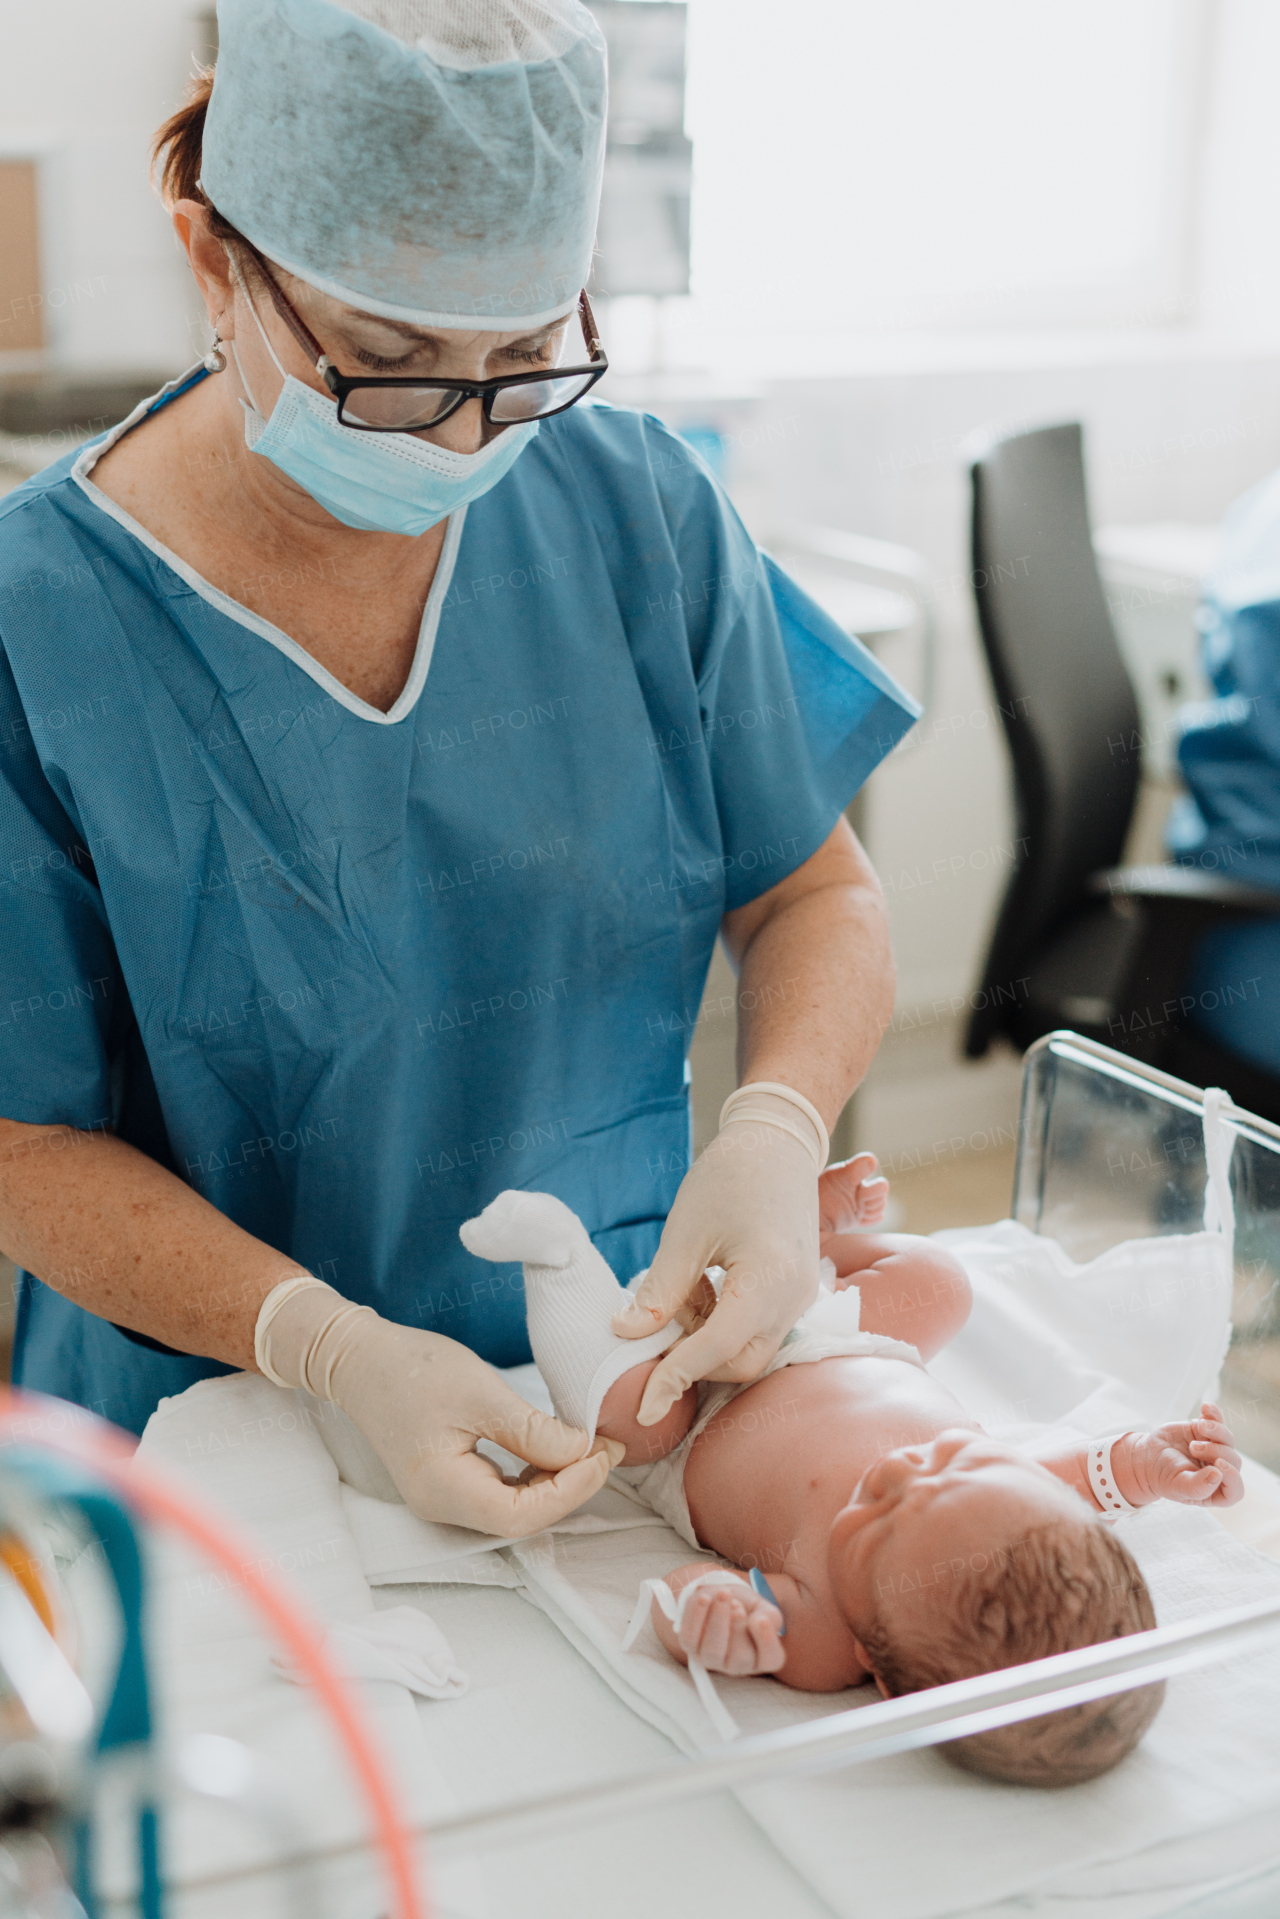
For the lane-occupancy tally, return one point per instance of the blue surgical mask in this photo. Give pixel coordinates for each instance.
(378, 482)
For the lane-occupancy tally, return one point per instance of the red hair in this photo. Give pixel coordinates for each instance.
(177, 151)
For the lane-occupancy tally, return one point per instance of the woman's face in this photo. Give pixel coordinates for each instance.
(356, 342)
(363, 343)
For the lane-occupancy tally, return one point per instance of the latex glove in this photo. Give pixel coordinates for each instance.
(422, 1401)
(1193, 1461)
(850, 1195)
(749, 1203)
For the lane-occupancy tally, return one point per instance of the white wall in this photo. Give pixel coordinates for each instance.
(85, 86)
(1239, 236)
(929, 163)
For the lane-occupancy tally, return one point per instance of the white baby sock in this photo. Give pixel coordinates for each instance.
(571, 1295)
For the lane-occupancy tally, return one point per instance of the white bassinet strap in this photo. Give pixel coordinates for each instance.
(673, 1609)
(1219, 1143)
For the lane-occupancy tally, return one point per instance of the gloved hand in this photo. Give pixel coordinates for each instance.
(422, 1401)
(749, 1203)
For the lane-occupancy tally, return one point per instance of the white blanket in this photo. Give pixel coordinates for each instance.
(1136, 1335)
(1193, 1806)
(250, 1449)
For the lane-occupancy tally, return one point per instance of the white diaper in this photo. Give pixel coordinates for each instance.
(829, 1330)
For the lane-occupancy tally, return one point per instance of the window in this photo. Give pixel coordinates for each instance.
(863, 167)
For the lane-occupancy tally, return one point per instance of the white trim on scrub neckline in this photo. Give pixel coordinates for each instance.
(223, 602)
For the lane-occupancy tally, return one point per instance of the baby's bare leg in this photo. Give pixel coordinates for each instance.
(911, 1289)
(645, 1444)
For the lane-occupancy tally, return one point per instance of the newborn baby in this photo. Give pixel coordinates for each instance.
(896, 1539)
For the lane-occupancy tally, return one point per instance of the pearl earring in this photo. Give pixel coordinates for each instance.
(215, 360)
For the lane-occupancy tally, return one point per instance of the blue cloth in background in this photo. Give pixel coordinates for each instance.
(350, 977)
(1229, 752)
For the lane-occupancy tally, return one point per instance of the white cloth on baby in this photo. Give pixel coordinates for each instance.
(571, 1294)
(829, 1330)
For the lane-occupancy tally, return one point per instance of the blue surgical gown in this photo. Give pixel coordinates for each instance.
(1229, 752)
(350, 974)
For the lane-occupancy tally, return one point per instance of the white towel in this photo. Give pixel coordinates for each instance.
(1212, 1757)
(254, 1451)
(401, 1645)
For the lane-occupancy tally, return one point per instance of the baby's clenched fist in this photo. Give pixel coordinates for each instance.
(1193, 1461)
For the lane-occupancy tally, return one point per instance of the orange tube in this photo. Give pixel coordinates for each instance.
(26, 1418)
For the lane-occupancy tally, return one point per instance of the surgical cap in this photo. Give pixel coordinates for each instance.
(435, 161)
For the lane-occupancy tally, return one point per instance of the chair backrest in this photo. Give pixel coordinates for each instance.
(1066, 701)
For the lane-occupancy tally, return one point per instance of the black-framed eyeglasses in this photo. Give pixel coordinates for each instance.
(372, 405)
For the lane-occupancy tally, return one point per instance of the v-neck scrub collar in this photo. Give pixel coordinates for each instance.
(412, 689)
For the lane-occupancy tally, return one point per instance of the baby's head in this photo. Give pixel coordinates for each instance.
(961, 1556)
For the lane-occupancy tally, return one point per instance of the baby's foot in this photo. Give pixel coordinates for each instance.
(850, 1195)
(536, 1228)
(571, 1296)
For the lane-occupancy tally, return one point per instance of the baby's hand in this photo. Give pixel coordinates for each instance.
(850, 1195)
(732, 1630)
(1193, 1461)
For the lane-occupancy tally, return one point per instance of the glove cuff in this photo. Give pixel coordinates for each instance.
(804, 1122)
(293, 1341)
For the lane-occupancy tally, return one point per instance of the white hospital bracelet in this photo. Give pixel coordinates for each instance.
(672, 1609)
(819, 1145)
(1102, 1480)
(270, 1306)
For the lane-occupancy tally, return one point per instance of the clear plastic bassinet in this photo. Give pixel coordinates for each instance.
(1110, 1149)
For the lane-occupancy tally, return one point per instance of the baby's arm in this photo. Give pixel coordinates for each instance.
(850, 1194)
(731, 1630)
(740, 1633)
(1192, 1461)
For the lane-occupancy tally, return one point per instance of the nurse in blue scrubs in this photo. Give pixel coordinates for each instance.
(1229, 752)
(387, 737)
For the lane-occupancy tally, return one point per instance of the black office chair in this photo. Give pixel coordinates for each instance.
(1078, 940)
